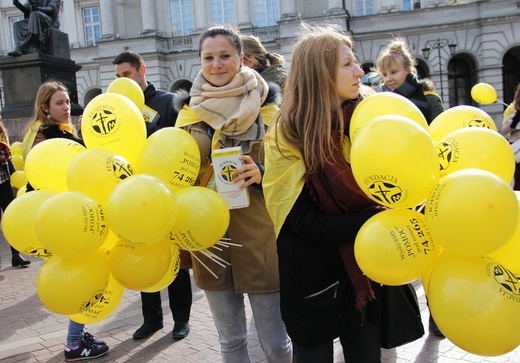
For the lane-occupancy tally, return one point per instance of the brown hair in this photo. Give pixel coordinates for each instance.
(4, 136)
(305, 114)
(254, 47)
(129, 56)
(516, 99)
(227, 32)
(43, 98)
(396, 51)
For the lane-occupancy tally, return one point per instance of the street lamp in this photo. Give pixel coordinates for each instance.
(439, 44)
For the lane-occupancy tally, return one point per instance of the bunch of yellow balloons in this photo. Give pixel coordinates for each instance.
(114, 213)
(465, 243)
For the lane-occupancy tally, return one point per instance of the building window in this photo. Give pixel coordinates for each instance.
(511, 73)
(266, 13)
(222, 12)
(364, 7)
(411, 5)
(91, 25)
(181, 17)
(460, 81)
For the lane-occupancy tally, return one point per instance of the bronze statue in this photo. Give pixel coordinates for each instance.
(40, 17)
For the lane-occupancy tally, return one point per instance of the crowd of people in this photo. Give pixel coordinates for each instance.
(305, 206)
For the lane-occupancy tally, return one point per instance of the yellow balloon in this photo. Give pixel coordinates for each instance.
(96, 172)
(381, 104)
(484, 93)
(203, 221)
(47, 163)
(110, 242)
(472, 212)
(16, 148)
(21, 190)
(101, 308)
(139, 267)
(476, 147)
(19, 223)
(113, 122)
(508, 255)
(69, 285)
(71, 224)
(129, 88)
(395, 162)
(18, 179)
(459, 117)
(142, 209)
(171, 273)
(18, 162)
(177, 166)
(395, 247)
(475, 302)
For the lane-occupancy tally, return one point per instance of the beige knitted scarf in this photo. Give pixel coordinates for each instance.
(232, 110)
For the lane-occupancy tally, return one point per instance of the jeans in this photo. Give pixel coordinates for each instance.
(229, 314)
(75, 333)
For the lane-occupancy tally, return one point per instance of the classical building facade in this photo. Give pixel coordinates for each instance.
(457, 43)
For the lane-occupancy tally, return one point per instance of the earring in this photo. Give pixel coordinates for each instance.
(49, 116)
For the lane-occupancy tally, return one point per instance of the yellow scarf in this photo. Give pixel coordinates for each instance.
(284, 175)
(28, 139)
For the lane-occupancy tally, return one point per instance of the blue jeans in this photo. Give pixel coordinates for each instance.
(75, 333)
(229, 314)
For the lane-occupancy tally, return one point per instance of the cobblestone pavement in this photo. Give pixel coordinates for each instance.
(31, 333)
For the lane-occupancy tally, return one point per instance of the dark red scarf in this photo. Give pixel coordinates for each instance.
(336, 191)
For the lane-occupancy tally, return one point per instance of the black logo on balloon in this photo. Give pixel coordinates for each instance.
(385, 192)
(479, 123)
(121, 169)
(40, 252)
(507, 279)
(445, 155)
(103, 122)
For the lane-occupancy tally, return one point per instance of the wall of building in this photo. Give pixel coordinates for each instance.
(483, 31)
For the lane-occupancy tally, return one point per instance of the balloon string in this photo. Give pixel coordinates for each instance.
(227, 244)
(216, 258)
(202, 263)
(505, 104)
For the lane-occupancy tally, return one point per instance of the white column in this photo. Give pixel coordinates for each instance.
(335, 6)
(288, 9)
(107, 18)
(200, 9)
(243, 14)
(148, 14)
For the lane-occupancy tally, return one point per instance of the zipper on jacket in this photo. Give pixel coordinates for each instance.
(334, 285)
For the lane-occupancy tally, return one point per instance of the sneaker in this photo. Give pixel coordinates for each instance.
(84, 351)
(89, 338)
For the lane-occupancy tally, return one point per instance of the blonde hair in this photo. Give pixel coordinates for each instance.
(396, 51)
(311, 95)
(4, 135)
(43, 99)
(253, 47)
(516, 99)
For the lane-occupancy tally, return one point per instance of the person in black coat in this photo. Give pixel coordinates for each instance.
(161, 113)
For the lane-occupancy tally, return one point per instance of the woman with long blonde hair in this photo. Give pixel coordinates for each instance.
(317, 207)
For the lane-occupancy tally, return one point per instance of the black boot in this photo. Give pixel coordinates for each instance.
(19, 261)
(16, 53)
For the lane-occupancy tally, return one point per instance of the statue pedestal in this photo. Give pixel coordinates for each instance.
(24, 74)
